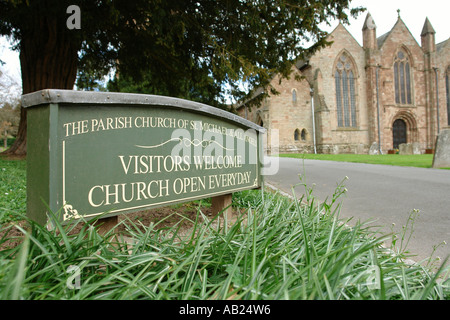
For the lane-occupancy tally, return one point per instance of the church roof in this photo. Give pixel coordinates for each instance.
(399, 24)
(442, 45)
(382, 39)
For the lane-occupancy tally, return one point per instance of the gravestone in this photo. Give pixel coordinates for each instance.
(97, 154)
(441, 157)
(405, 149)
(416, 148)
(374, 149)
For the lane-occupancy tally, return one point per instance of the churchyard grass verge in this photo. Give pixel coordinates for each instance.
(418, 160)
(278, 248)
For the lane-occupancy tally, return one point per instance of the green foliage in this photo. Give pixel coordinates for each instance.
(200, 89)
(12, 189)
(201, 50)
(278, 249)
(188, 49)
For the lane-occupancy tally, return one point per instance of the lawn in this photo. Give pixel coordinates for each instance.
(12, 189)
(419, 160)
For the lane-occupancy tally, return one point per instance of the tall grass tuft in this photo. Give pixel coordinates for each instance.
(279, 248)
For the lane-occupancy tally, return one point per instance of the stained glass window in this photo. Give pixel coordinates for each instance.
(408, 84)
(397, 83)
(402, 79)
(352, 98)
(345, 92)
(337, 77)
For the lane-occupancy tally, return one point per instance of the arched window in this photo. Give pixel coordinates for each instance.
(447, 89)
(304, 135)
(345, 92)
(294, 96)
(300, 135)
(402, 78)
(296, 135)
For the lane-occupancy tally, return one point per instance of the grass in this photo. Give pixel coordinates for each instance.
(12, 189)
(421, 160)
(279, 249)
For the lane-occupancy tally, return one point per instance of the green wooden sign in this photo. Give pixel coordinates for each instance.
(92, 153)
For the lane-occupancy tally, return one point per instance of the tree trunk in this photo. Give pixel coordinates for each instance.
(48, 58)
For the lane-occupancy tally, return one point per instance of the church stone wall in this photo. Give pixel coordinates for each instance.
(292, 118)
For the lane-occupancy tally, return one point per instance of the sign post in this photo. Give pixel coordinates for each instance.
(220, 203)
(93, 154)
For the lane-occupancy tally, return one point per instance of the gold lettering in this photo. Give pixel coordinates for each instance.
(77, 127)
(108, 194)
(124, 192)
(189, 184)
(91, 202)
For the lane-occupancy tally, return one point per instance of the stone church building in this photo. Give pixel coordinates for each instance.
(390, 91)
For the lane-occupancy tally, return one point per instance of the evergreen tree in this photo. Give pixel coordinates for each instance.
(182, 48)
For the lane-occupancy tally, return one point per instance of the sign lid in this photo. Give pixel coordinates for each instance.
(59, 96)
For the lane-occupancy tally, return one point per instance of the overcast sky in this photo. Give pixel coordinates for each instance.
(384, 12)
(412, 12)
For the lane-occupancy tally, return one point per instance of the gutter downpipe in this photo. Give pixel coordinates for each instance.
(437, 99)
(378, 111)
(313, 120)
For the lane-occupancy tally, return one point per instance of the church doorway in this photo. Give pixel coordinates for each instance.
(399, 132)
